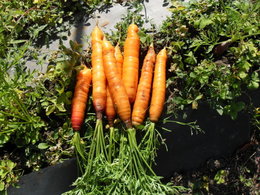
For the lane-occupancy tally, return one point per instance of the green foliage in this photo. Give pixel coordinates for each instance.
(256, 118)
(213, 57)
(17, 115)
(125, 174)
(34, 112)
(213, 53)
(7, 175)
(134, 16)
(220, 177)
(35, 107)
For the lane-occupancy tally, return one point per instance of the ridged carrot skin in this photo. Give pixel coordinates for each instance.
(119, 59)
(110, 109)
(131, 62)
(144, 88)
(116, 86)
(98, 74)
(159, 86)
(80, 98)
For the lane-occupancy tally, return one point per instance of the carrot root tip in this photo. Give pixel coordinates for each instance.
(99, 115)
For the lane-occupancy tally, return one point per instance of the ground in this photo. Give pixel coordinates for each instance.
(236, 174)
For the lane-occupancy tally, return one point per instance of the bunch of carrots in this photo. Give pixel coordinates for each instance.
(118, 90)
(115, 82)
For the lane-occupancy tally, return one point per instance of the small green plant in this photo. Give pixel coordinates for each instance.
(220, 177)
(7, 175)
(201, 186)
(214, 53)
(35, 107)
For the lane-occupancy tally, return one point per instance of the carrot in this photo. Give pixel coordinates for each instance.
(110, 110)
(119, 59)
(150, 139)
(80, 98)
(97, 146)
(131, 62)
(159, 86)
(121, 100)
(116, 86)
(98, 74)
(144, 88)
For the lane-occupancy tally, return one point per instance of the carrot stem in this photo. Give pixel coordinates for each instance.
(134, 147)
(97, 147)
(111, 149)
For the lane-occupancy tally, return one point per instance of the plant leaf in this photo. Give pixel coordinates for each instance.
(43, 146)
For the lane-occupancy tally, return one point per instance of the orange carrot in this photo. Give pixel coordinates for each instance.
(110, 110)
(131, 62)
(144, 88)
(98, 74)
(159, 86)
(80, 98)
(116, 86)
(119, 59)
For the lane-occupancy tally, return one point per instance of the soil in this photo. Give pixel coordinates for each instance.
(236, 174)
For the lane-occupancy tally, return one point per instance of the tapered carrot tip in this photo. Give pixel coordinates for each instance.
(76, 123)
(135, 123)
(99, 115)
(97, 34)
(128, 124)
